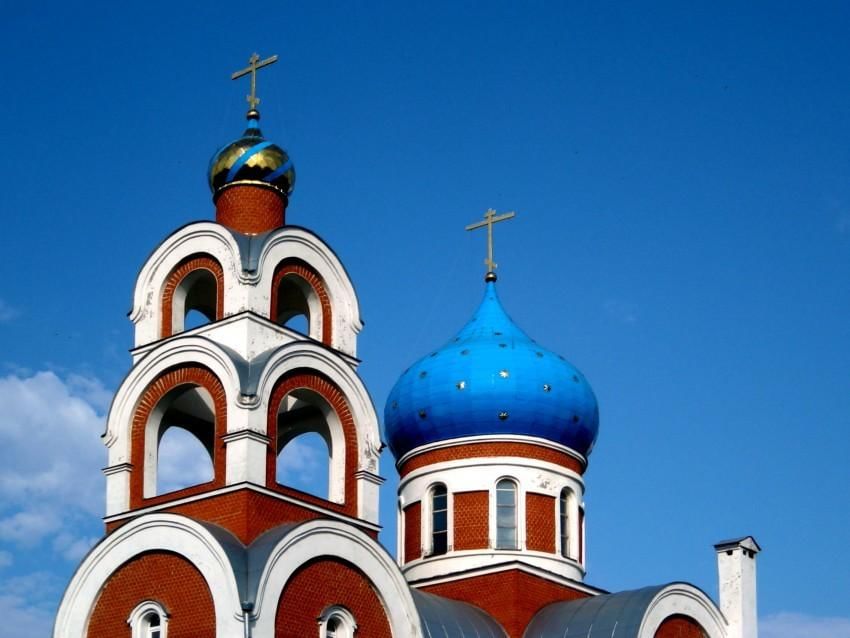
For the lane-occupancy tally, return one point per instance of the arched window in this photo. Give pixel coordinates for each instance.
(180, 438)
(299, 300)
(336, 622)
(310, 446)
(564, 521)
(439, 520)
(148, 620)
(192, 295)
(506, 515)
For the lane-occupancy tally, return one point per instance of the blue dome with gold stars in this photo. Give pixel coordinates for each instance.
(491, 379)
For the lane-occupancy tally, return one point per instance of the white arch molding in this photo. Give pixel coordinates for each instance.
(322, 538)
(297, 243)
(199, 238)
(682, 599)
(153, 532)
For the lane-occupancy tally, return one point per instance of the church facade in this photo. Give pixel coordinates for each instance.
(490, 433)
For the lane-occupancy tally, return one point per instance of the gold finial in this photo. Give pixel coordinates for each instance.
(490, 218)
(254, 64)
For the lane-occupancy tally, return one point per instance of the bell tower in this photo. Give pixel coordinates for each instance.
(239, 379)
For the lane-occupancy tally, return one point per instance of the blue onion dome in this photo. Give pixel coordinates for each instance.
(252, 160)
(491, 379)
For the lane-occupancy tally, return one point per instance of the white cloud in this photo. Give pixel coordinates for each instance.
(622, 311)
(183, 461)
(27, 603)
(50, 456)
(6, 559)
(7, 312)
(793, 625)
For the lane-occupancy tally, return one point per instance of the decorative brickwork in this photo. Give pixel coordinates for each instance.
(250, 210)
(309, 380)
(680, 627)
(189, 375)
(164, 577)
(184, 268)
(298, 268)
(540, 522)
(512, 597)
(412, 531)
(320, 584)
(471, 520)
(245, 513)
(485, 449)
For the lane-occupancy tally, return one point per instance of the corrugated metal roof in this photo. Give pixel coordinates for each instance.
(606, 616)
(444, 618)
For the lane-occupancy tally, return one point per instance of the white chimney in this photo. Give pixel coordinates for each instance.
(736, 573)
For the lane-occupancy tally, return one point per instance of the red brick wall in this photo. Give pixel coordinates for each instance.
(329, 392)
(308, 274)
(323, 583)
(512, 597)
(412, 532)
(188, 265)
(471, 520)
(250, 209)
(477, 450)
(188, 375)
(168, 579)
(244, 513)
(540, 522)
(680, 627)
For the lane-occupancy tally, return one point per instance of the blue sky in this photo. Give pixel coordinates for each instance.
(681, 176)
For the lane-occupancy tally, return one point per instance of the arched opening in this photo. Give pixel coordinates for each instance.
(310, 445)
(194, 301)
(297, 306)
(192, 295)
(179, 441)
(304, 464)
(506, 515)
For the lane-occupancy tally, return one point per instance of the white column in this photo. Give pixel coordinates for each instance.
(246, 457)
(736, 572)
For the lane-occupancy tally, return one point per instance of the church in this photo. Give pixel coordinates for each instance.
(490, 433)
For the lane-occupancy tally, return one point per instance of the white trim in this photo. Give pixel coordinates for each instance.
(446, 565)
(322, 538)
(349, 624)
(244, 486)
(490, 438)
(141, 612)
(201, 238)
(159, 532)
(477, 473)
(685, 600)
(472, 572)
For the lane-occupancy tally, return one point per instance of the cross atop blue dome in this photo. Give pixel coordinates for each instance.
(491, 379)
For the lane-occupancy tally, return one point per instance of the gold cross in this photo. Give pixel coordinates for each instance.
(490, 218)
(254, 64)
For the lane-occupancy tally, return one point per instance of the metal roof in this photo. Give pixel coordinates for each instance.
(604, 616)
(444, 618)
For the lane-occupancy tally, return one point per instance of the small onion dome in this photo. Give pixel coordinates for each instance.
(491, 379)
(252, 160)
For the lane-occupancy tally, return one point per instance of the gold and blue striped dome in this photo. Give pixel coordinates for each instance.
(252, 160)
